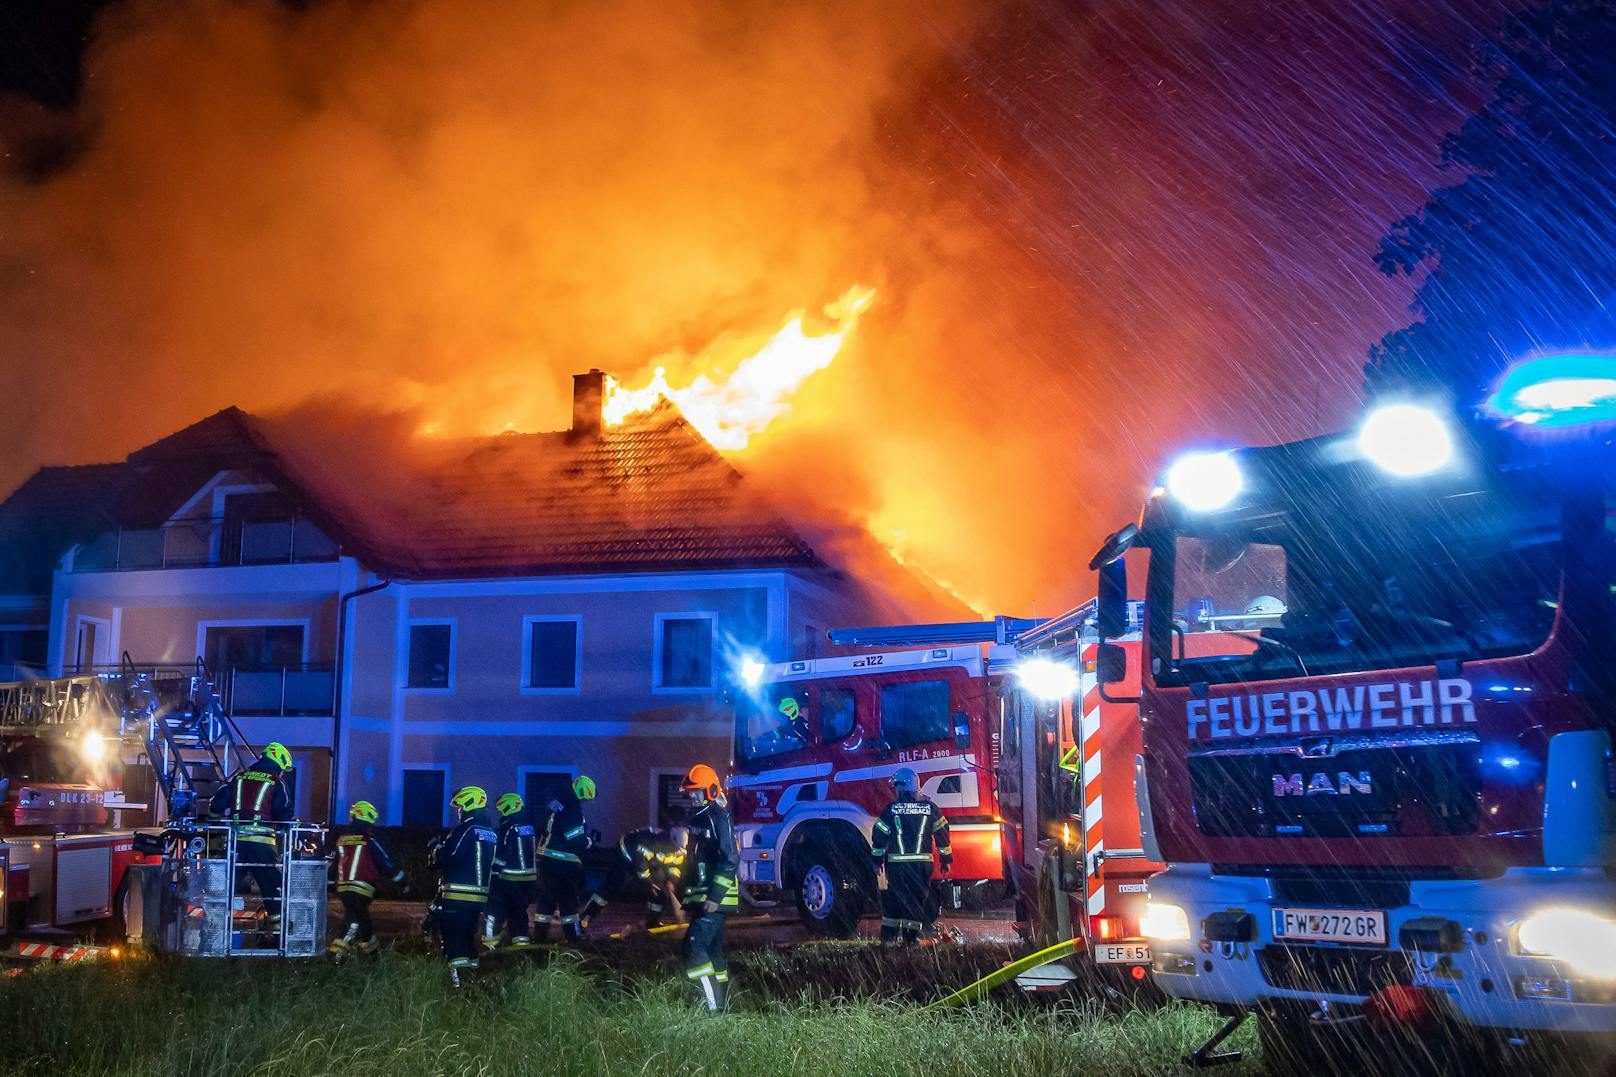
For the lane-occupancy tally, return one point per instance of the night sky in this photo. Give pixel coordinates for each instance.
(1099, 233)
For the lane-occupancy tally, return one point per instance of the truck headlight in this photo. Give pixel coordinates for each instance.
(1164, 923)
(1581, 939)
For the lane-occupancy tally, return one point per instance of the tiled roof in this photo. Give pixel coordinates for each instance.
(650, 495)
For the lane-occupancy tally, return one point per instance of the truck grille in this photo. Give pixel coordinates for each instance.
(1333, 970)
(1340, 786)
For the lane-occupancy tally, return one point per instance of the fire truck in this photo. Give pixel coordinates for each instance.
(71, 864)
(1377, 706)
(1007, 730)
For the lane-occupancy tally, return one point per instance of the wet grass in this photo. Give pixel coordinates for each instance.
(840, 1009)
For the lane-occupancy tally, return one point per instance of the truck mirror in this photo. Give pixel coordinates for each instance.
(962, 730)
(1110, 664)
(1111, 601)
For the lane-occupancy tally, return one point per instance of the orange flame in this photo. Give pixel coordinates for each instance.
(730, 411)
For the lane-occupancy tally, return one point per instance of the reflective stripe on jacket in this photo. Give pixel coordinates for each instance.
(908, 830)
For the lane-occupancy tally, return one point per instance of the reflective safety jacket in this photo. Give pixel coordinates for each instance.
(362, 863)
(907, 832)
(564, 836)
(251, 798)
(466, 859)
(712, 862)
(514, 860)
(651, 852)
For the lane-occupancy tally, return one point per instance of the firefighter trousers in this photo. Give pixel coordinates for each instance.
(560, 884)
(356, 925)
(257, 860)
(705, 963)
(458, 922)
(508, 903)
(907, 904)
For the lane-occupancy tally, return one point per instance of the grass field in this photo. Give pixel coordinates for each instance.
(811, 1010)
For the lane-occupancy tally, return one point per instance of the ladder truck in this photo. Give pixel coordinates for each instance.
(1378, 705)
(1003, 723)
(71, 863)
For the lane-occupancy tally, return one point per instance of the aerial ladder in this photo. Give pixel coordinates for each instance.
(172, 715)
(173, 719)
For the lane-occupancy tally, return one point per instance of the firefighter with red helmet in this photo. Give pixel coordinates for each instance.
(564, 839)
(516, 873)
(253, 799)
(466, 858)
(902, 842)
(712, 892)
(362, 863)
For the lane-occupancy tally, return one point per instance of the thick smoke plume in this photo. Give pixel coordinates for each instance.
(1093, 241)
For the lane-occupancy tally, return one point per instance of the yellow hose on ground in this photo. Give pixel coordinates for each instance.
(972, 992)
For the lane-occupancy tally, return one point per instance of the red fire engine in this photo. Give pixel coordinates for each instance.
(65, 843)
(816, 744)
(1008, 732)
(1377, 712)
(1071, 828)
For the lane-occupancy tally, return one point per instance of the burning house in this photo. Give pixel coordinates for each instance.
(506, 611)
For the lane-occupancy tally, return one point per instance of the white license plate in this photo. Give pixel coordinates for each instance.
(1122, 953)
(1331, 925)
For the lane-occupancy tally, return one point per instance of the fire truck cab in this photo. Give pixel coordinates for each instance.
(816, 744)
(1378, 703)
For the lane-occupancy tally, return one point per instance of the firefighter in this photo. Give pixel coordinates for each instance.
(656, 858)
(561, 864)
(516, 873)
(711, 890)
(361, 864)
(466, 859)
(253, 799)
(905, 835)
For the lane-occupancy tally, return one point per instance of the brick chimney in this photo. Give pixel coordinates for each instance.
(588, 402)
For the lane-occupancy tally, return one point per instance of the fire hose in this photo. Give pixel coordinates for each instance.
(972, 992)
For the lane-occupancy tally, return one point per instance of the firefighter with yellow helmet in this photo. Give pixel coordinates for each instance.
(362, 863)
(563, 840)
(252, 800)
(516, 873)
(465, 857)
(712, 893)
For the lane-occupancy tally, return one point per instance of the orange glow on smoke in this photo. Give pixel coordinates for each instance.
(730, 410)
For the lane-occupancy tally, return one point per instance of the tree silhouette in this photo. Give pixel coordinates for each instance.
(1520, 255)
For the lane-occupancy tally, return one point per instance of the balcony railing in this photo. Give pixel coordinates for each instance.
(286, 691)
(206, 541)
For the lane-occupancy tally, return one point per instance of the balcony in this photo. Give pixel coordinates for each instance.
(207, 542)
(281, 692)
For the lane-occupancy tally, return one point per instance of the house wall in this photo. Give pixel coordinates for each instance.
(618, 726)
(159, 617)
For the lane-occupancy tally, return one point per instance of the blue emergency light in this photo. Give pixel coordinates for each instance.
(1558, 391)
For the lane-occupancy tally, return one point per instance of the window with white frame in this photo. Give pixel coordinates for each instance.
(431, 656)
(684, 651)
(551, 654)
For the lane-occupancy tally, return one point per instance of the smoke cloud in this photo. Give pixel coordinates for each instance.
(1095, 236)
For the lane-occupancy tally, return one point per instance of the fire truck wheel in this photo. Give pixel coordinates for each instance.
(829, 898)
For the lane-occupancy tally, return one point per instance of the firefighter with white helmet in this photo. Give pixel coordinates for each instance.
(903, 840)
(466, 858)
(711, 871)
(563, 840)
(253, 799)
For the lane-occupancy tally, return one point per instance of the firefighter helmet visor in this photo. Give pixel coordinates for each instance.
(702, 779)
(905, 780)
